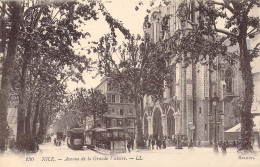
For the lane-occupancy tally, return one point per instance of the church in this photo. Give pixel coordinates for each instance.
(187, 109)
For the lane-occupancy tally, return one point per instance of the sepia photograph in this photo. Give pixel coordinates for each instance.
(129, 83)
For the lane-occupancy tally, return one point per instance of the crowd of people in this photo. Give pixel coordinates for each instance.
(157, 142)
(160, 142)
(57, 142)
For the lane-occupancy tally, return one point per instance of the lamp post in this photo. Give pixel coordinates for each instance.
(215, 101)
(221, 117)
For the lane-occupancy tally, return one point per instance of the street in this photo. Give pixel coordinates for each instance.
(50, 155)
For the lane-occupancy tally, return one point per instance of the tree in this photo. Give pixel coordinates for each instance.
(239, 27)
(90, 103)
(43, 28)
(199, 40)
(204, 41)
(136, 68)
(15, 8)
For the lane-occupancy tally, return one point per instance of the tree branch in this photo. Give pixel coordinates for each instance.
(224, 5)
(251, 32)
(225, 32)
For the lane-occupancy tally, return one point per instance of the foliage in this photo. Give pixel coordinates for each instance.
(136, 68)
(239, 26)
(88, 103)
(199, 40)
(46, 60)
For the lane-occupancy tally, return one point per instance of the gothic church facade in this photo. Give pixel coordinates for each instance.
(186, 109)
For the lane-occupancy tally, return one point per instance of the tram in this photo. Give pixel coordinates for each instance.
(76, 138)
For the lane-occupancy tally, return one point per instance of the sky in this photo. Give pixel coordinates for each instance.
(123, 10)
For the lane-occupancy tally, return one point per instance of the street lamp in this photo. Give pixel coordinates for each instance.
(221, 115)
(215, 101)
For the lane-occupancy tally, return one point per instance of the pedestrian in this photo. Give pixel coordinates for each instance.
(190, 144)
(132, 143)
(224, 148)
(158, 143)
(149, 142)
(153, 143)
(234, 143)
(128, 145)
(55, 141)
(164, 142)
(199, 142)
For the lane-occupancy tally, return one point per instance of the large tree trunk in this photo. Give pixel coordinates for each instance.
(139, 131)
(22, 114)
(41, 120)
(35, 119)
(8, 68)
(28, 116)
(246, 116)
(3, 30)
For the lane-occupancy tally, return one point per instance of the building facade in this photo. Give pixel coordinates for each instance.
(186, 109)
(119, 121)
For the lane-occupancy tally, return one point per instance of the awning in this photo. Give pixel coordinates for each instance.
(116, 128)
(256, 128)
(99, 129)
(236, 128)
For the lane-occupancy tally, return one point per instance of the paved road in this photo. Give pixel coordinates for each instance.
(50, 155)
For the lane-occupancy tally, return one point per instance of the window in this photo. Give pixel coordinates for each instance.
(113, 111)
(108, 111)
(121, 112)
(130, 122)
(119, 122)
(114, 122)
(125, 100)
(130, 111)
(206, 127)
(109, 86)
(108, 122)
(121, 134)
(113, 98)
(117, 98)
(108, 98)
(121, 99)
(229, 80)
(200, 110)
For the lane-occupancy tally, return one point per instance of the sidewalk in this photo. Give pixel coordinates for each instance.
(172, 149)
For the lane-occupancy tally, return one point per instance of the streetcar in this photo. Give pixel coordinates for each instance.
(76, 138)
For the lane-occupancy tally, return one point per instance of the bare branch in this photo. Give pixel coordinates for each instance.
(252, 31)
(226, 32)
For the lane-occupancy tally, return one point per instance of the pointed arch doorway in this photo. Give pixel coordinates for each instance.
(170, 124)
(157, 123)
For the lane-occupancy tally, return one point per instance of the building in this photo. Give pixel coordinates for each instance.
(234, 132)
(119, 121)
(186, 109)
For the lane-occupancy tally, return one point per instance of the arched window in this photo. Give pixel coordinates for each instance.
(229, 80)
